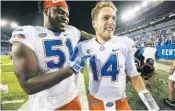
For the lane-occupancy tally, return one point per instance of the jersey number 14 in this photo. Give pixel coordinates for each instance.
(110, 68)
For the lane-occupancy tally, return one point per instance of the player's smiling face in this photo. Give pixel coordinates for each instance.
(59, 18)
(105, 23)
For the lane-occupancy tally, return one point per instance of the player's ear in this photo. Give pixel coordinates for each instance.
(93, 24)
(46, 12)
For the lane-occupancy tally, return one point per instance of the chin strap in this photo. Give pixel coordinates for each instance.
(148, 100)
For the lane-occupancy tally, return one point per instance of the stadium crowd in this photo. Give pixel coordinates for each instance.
(160, 36)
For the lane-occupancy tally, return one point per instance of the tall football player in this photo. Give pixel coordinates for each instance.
(40, 55)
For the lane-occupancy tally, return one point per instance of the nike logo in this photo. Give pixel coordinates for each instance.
(66, 34)
(113, 50)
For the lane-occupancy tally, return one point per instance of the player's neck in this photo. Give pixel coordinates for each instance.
(101, 40)
(49, 26)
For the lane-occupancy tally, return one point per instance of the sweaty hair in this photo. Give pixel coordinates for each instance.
(101, 5)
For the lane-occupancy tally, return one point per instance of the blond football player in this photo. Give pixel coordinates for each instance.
(110, 59)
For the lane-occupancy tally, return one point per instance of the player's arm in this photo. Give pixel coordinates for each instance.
(26, 69)
(144, 94)
(85, 35)
(138, 83)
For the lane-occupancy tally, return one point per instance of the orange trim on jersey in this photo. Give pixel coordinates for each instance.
(51, 3)
(73, 105)
(97, 104)
(122, 104)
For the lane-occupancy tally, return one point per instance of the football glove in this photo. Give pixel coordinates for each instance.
(76, 62)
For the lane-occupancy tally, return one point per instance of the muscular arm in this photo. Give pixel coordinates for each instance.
(26, 69)
(138, 83)
(85, 36)
(144, 94)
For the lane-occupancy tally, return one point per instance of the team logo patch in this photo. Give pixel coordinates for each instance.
(42, 35)
(95, 103)
(89, 51)
(109, 104)
(102, 48)
(20, 36)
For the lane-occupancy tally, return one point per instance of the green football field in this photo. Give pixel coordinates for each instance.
(157, 88)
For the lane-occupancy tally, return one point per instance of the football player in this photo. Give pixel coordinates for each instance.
(109, 60)
(145, 61)
(40, 55)
(171, 87)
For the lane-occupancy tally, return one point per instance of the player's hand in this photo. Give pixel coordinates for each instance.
(77, 63)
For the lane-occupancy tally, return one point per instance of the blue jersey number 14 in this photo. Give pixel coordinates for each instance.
(109, 68)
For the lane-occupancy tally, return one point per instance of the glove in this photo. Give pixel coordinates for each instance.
(75, 62)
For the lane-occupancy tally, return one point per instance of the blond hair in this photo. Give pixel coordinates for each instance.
(101, 5)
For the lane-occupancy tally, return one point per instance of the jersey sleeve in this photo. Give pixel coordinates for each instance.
(23, 34)
(80, 50)
(75, 33)
(133, 45)
(130, 64)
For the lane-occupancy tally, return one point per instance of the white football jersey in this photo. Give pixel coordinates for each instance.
(108, 65)
(130, 43)
(150, 52)
(53, 51)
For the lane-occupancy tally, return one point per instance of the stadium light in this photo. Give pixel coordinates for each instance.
(13, 24)
(128, 15)
(137, 9)
(144, 4)
(124, 17)
(3, 22)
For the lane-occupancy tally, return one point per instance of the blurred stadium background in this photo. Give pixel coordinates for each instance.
(143, 21)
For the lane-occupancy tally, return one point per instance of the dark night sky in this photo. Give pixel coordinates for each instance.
(26, 13)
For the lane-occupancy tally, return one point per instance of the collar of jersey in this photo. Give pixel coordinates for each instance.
(95, 40)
